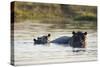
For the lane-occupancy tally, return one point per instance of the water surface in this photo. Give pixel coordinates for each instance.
(28, 53)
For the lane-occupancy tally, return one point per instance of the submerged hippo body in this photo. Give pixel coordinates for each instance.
(64, 40)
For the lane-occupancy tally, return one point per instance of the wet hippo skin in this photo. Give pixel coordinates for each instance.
(61, 40)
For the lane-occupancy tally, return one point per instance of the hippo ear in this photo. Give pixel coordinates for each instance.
(34, 39)
(85, 33)
(73, 32)
(49, 35)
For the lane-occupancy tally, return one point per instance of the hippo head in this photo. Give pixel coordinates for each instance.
(79, 39)
(42, 39)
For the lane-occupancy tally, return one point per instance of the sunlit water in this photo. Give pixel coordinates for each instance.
(28, 53)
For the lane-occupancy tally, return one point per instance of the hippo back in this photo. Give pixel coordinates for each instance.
(64, 40)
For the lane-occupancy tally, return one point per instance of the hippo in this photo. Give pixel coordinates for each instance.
(78, 40)
(42, 40)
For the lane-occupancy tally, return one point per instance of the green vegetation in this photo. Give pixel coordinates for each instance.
(31, 11)
(86, 16)
(77, 15)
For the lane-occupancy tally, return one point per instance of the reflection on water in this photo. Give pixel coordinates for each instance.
(27, 53)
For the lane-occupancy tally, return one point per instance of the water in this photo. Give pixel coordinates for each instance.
(28, 53)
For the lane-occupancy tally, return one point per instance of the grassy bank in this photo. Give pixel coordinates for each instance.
(79, 15)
